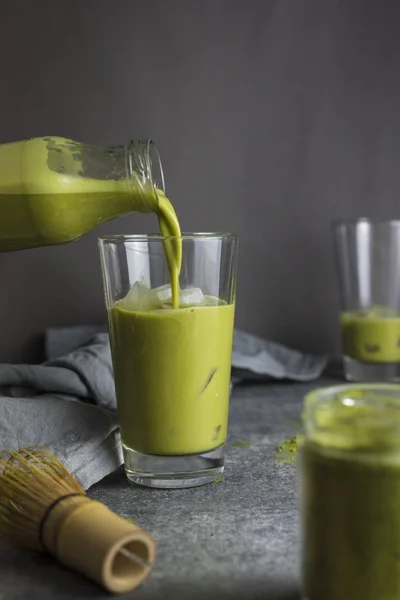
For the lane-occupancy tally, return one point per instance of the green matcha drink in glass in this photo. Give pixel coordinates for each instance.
(349, 474)
(368, 266)
(171, 352)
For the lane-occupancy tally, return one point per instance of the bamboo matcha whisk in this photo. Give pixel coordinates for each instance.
(43, 507)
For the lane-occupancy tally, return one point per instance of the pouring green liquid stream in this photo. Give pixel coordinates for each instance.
(169, 227)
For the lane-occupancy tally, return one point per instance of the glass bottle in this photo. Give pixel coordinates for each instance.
(53, 190)
(349, 467)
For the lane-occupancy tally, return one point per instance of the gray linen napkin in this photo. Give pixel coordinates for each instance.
(255, 358)
(67, 404)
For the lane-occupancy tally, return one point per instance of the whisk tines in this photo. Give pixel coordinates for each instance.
(30, 480)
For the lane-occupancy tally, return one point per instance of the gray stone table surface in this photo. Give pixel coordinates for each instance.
(233, 540)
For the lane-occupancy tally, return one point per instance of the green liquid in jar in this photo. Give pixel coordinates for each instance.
(350, 499)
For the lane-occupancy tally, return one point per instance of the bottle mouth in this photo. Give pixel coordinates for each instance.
(144, 159)
(156, 170)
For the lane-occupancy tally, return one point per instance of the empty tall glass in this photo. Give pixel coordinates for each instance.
(171, 365)
(368, 264)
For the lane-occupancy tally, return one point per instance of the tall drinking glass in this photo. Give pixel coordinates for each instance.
(368, 266)
(171, 365)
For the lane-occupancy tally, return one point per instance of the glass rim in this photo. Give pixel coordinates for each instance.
(156, 237)
(354, 221)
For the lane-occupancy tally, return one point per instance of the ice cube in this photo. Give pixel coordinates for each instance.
(213, 301)
(189, 297)
(162, 294)
(192, 297)
(139, 297)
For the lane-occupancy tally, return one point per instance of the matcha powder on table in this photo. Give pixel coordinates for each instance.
(287, 451)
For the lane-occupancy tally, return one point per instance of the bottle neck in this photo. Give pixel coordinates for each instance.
(131, 173)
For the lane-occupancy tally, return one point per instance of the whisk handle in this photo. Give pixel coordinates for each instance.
(101, 545)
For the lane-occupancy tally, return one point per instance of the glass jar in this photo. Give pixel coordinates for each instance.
(53, 189)
(349, 468)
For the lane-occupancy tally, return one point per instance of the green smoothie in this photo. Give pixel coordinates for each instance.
(350, 496)
(172, 374)
(371, 336)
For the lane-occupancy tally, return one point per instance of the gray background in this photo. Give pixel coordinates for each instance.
(271, 117)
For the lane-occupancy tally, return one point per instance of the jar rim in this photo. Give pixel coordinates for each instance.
(363, 417)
